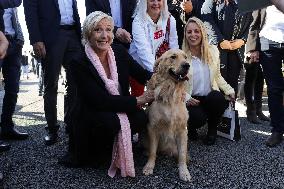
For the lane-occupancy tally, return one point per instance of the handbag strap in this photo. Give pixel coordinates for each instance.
(232, 105)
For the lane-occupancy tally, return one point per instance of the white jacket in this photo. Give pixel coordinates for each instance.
(217, 81)
(142, 48)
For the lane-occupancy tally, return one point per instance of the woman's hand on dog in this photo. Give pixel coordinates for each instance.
(192, 102)
(147, 97)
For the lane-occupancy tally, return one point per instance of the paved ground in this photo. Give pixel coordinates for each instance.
(244, 164)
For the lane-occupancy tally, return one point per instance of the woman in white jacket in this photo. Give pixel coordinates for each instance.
(205, 102)
(154, 32)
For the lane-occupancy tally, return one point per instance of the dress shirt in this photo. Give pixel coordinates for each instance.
(9, 30)
(201, 84)
(116, 12)
(66, 12)
(273, 29)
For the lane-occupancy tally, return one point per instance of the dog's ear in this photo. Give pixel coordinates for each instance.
(156, 65)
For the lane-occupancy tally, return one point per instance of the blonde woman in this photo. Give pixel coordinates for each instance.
(205, 102)
(154, 32)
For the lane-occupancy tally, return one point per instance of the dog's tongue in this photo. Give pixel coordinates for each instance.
(186, 78)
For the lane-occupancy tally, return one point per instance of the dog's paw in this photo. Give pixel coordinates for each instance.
(148, 169)
(184, 174)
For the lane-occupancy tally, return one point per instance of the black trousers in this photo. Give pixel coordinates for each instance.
(92, 134)
(230, 67)
(254, 81)
(271, 61)
(210, 110)
(61, 53)
(11, 68)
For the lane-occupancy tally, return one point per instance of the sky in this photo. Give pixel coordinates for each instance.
(27, 46)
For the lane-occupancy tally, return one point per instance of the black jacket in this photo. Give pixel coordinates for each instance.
(225, 22)
(94, 116)
(91, 88)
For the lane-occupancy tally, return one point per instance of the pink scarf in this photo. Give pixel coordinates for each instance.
(122, 156)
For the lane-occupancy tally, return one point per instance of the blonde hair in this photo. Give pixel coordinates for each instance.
(205, 46)
(91, 22)
(141, 10)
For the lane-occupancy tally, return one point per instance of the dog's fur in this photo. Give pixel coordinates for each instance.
(167, 128)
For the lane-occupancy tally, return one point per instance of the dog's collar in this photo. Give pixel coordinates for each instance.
(177, 77)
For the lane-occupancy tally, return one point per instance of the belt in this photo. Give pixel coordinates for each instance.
(67, 27)
(277, 45)
(9, 37)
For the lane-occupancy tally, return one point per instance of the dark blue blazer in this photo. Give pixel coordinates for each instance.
(43, 20)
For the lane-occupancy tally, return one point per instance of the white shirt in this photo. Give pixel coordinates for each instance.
(147, 37)
(273, 29)
(66, 12)
(116, 12)
(201, 84)
(7, 16)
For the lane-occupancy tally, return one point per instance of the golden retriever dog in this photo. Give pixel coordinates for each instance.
(167, 128)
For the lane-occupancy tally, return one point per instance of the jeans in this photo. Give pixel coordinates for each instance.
(271, 61)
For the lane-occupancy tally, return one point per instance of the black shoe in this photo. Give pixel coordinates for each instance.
(274, 139)
(4, 146)
(210, 140)
(1, 180)
(262, 117)
(13, 134)
(50, 139)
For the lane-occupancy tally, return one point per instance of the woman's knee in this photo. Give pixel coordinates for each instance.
(215, 101)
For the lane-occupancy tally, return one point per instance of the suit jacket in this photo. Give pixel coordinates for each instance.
(253, 42)
(4, 4)
(43, 20)
(217, 81)
(225, 23)
(127, 10)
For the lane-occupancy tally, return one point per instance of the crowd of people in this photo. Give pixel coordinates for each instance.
(109, 60)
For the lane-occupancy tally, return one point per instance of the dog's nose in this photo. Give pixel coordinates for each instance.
(186, 66)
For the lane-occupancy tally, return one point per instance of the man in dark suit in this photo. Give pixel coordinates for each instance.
(55, 32)
(3, 51)
(11, 66)
(121, 11)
